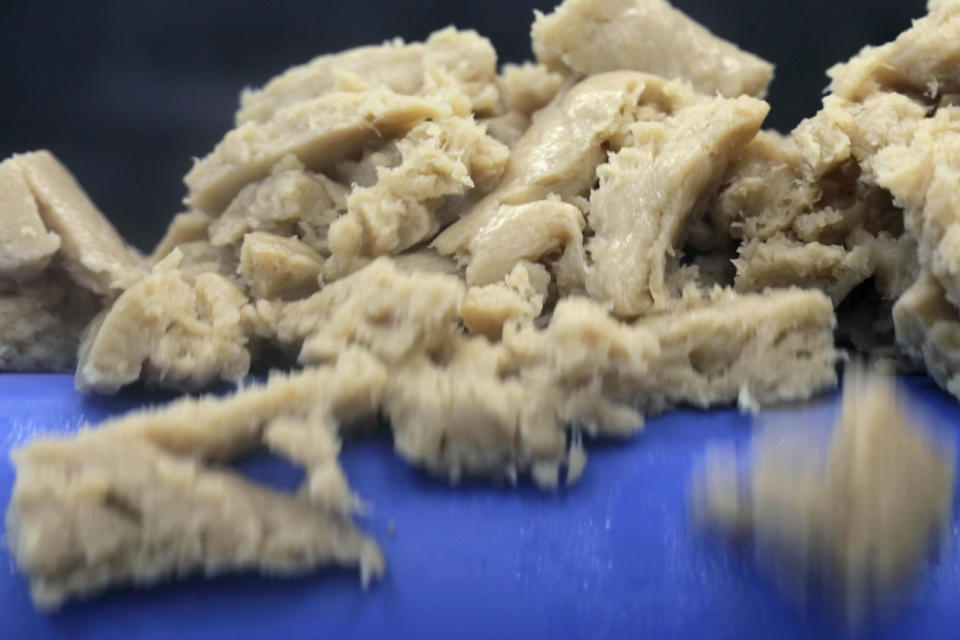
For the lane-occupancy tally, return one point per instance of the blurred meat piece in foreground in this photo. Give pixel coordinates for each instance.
(855, 516)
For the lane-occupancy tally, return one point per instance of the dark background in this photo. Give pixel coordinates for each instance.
(126, 92)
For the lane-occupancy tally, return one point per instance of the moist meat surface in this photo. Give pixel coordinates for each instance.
(318, 132)
(93, 253)
(134, 501)
(403, 68)
(649, 188)
(592, 36)
(496, 263)
(168, 329)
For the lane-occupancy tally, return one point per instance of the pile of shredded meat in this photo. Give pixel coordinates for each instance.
(498, 262)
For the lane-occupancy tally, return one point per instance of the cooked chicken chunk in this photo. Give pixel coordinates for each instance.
(593, 36)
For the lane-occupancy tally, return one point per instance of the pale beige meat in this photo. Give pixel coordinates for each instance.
(502, 410)
(41, 322)
(752, 348)
(818, 180)
(403, 68)
(439, 159)
(60, 262)
(468, 406)
(892, 112)
(895, 262)
(844, 130)
(887, 112)
(133, 502)
(528, 87)
(290, 201)
(91, 251)
(922, 175)
(857, 516)
(505, 409)
(362, 171)
(221, 428)
(517, 233)
(189, 226)
(425, 259)
(99, 512)
(592, 36)
(928, 328)
(648, 190)
(26, 246)
(863, 190)
(318, 132)
(507, 128)
(169, 330)
(486, 309)
(589, 364)
(588, 371)
(808, 209)
(199, 257)
(392, 313)
(499, 265)
(764, 189)
(475, 420)
(780, 262)
(560, 151)
(274, 267)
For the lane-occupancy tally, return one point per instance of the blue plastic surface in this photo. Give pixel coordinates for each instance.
(612, 556)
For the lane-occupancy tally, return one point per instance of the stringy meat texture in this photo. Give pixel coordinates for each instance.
(497, 263)
(61, 262)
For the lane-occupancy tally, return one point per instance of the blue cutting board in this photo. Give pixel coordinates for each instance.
(612, 557)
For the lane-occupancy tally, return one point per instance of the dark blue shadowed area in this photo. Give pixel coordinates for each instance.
(613, 556)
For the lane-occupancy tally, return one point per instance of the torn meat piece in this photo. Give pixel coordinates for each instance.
(274, 267)
(518, 233)
(921, 61)
(170, 330)
(856, 516)
(439, 159)
(60, 262)
(392, 313)
(132, 502)
(928, 328)
(403, 68)
(318, 132)
(189, 226)
(779, 262)
(519, 297)
(923, 175)
(560, 151)
(593, 36)
(290, 201)
(26, 246)
(41, 322)
(648, 189)
(91, 251)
